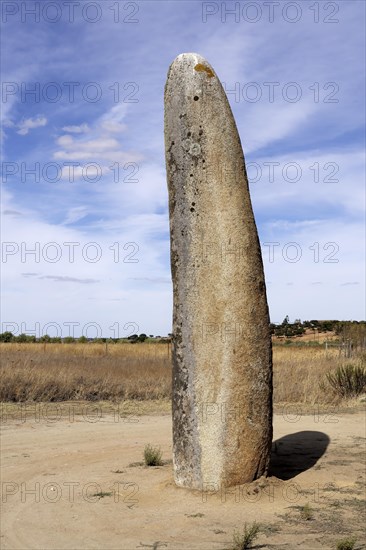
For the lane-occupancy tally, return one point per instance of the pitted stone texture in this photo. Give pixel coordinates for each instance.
(222, 356)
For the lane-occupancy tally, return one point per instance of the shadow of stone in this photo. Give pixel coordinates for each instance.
(295, 453)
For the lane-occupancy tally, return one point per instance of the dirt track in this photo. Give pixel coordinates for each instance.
(52, 469)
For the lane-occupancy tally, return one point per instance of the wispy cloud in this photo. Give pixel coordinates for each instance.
(29, 124)
(64, 279)
(13, 213)
(164, 280)
(81, 129)
(103, 144)
(60, 278)
(75, 214)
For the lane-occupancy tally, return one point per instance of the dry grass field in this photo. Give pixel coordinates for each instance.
(118, 372)
(93, 372)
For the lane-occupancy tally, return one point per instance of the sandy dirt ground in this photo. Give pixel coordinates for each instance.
(77, 482)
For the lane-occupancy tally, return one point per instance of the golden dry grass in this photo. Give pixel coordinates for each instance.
(92, 372)
(299, 374)
(62, 372)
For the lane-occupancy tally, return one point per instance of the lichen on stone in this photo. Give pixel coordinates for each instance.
(203, 68)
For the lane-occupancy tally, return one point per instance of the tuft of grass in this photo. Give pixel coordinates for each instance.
(306, 512)
(103, 494)
(348, 380)
(245, 539)
(346, 544)
(152, 456)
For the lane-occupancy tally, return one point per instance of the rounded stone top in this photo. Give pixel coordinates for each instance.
(191, 61)
(188, 56)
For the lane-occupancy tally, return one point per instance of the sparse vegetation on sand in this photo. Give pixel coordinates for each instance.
(152, 456)
(306, 512)
(243, 540)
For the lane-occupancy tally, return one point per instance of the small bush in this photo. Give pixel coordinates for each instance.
(306, 512)
(244, 540)
(346, 544)
(152, 456)
(348, 381)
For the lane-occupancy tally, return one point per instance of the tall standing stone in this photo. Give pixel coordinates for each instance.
(222, 355)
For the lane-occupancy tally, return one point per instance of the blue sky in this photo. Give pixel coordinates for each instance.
(92, 132)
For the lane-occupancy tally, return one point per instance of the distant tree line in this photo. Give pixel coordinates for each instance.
(9, 337)
(347, 331)
(344, 329)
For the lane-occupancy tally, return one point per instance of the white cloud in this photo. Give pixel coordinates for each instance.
(82, 129)
(75, 214)
(325, 184)
(112, 121)
(7, 123)
(269, 124)
(318, 258)
(91, 172)
(30, 123)
(102, 252)
(102, 145)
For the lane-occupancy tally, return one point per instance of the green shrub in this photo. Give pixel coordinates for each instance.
(348, 381)
(244, 540)
(346, 544)
(152, 456)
